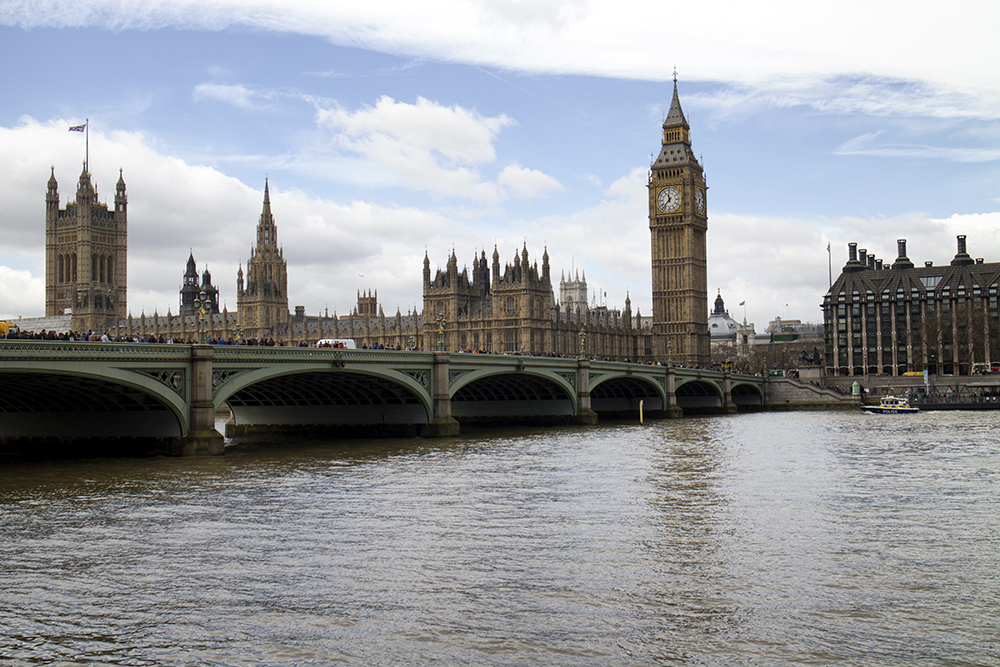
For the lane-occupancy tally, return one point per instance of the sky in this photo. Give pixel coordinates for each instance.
(386, 130)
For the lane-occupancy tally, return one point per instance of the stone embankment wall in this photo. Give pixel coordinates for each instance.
(789, 394)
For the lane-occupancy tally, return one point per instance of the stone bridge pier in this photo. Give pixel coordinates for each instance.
(202, 439)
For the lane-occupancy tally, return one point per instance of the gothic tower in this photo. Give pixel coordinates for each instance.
(191, 290)
(263, 303)
(85, 255)
(678, 221)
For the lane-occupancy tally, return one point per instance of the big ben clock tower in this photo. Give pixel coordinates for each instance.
(678, 220)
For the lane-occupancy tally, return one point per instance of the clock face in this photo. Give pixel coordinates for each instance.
(668, 199)
(699, 200)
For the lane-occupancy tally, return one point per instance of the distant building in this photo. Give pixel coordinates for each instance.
(678, 222)
(894, 319)
(722, 329)
(86, 255)
(511, 308)
(573, 292)
(263, 301)
(785, 331)
(191, 290)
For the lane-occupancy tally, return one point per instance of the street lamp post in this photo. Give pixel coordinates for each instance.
(203, 306)
(441, 322)
(583, 343)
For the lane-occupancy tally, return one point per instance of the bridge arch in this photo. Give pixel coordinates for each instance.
(619, 393)
(48, 401)
(744, 394)
(306, 395)
(499, 392)
(698, 394)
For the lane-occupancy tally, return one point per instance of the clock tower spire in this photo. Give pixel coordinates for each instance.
(678, 221)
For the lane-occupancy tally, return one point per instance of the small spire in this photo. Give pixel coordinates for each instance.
(675, 116)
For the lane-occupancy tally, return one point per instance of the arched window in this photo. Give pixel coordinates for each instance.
(510, 305)
(93, 267)
(100, 263)
(60, 276)
(111, 278)
(73, 272)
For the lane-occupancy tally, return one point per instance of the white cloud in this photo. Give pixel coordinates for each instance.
(20, 293)
(527, 183)
(866, 145)
(236, 95)
(849, 55)
(428, 146)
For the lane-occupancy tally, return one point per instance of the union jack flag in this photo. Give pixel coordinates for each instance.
(78, 128)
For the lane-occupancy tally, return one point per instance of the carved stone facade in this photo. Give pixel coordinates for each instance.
(263, 302)
(85, 255)
(678, 222)
(191, 289)
(512, 309)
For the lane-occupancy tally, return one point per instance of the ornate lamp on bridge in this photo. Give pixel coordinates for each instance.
(238, 332)
(583, 343)
(203, 306)
(670, 353)
(441, 322)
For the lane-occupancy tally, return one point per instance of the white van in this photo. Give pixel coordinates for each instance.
(345, 343)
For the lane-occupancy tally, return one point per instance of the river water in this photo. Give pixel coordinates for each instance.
(765, 539)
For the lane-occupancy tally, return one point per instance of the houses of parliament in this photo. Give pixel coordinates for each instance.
(494, 306)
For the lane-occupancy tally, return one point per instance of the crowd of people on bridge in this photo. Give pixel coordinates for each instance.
(91, 336)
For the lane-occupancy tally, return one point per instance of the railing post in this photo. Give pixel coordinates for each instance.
(443, 423)
(201, 439)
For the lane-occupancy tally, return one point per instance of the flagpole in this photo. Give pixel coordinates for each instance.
(87, 125)
(829, 264)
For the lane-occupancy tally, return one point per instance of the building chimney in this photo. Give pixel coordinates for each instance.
(852, 263)
(962, 258)
(902, 261)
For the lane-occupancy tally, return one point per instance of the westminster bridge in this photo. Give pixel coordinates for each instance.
(163, 398)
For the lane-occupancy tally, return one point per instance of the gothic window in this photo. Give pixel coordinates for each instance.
(110, 275)
(511, 340)
(510, 305)
(93, 267)
(100, 263)
(59, 272)
(73, 273)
